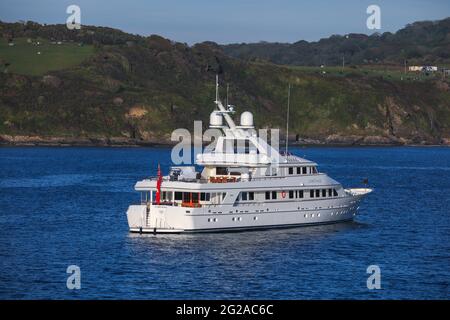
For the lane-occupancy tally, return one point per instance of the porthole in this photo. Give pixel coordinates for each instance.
(305, 215)
(255, 218)
(209, 219)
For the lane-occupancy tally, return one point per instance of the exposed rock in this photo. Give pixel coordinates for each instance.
(136, 112)
(126, 134)
(380, 140)
(117, 101)
(339, 139)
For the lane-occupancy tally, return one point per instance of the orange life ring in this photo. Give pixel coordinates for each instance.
(283, 194)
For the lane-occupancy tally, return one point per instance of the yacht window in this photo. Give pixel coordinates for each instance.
(317, 193)
(247, 146)
(221, 171)
(274, 194)
(291, 170)
(335, 193)
(208, 197)
(299, 170)
(291, 194)
(186, 197)
(324, 192)
(244, 196)
(314, 169)
(194, 197)
(178, 195)
(204, 196)
(304, 170)
(300, 193)
(242, 146)
(311, 193)
(251, 196)
(267, 195)
(330, 192)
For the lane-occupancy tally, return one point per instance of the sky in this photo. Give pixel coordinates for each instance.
(231, 21)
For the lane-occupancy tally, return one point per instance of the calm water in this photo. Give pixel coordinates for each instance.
(64, 206)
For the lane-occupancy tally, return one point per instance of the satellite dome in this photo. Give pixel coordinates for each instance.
(215, 119)
(247, 119)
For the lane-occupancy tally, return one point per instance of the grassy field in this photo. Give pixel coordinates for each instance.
(32, 59)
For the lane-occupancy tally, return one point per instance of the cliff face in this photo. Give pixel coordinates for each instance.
(136, 90)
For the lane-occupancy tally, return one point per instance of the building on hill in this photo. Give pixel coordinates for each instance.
(423, 68)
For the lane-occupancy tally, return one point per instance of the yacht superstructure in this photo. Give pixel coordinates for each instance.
(245, 184)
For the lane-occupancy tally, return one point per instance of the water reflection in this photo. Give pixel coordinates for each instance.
(243, 243)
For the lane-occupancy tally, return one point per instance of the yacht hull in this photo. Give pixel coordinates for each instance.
(169, 219)
(232, 229)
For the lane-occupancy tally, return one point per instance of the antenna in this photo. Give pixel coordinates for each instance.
(227, 95)
(217, 87)
(287, 118)
(224, 111)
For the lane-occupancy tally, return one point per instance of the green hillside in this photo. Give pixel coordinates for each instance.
(423, 42)
(131, 89)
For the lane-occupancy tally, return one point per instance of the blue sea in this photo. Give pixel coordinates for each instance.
(66, 206)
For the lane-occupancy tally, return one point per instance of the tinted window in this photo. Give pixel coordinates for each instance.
(221, 171)
(335, 193)
(178, 195)
(251, 196)
(324, 192)
(244, 196)
(311, 193)
(317, 193)
(304, 170)
(274, 194)
(299, 170)
(300, 193)
(267, 195)
(291, 170)
(291, 194)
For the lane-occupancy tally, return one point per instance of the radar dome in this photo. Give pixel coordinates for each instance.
(215, 119)
(247, 119)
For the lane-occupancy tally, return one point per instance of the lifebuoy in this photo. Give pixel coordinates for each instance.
(283, 194)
